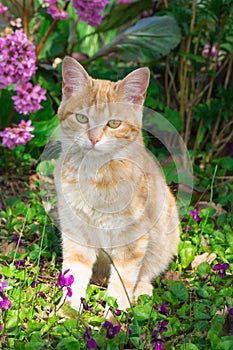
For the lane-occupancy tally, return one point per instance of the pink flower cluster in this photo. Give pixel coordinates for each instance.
(119, 2)
(211, 52)
(17, 58)
(3, 9)
(19, 135)
(55, 11)
(17, 65)
(90, 11)
(28, 98)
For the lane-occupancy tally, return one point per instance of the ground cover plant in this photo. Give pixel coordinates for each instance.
(188, 47)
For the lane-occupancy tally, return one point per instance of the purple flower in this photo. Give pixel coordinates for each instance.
(229, 148)
(3, 284)
(28, 98)
(187, 229)
(5, 303)
(84, 303)
(64, 281)
(162, 309)
(9, 138)
(231, 311)
(17, 240)
(17, 59)
(91, 344)
(117, 312)
(221, 268)
(156, 337)
(111, 330)
(210, 52)
(20, 135)
(20, 264)
(195, 215)
(55, 11)
(144, 335)
(128, 318)
(34, 284)
(119, 2)
(89, 11)
(3, 9)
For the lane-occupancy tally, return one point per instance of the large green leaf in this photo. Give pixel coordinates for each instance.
(122, 14)
(148, 39)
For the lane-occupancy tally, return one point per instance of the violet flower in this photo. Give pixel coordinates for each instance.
(111, 330)
(117, 312)
(195, 215)
(3, 284)
(5, 303)
(84, 303)
(34, 284)
(91, 343)
(162, 309)
(65, 281)
(156, 337)
(17, 240)
(187, 229)
(20, 264)
(221, 268)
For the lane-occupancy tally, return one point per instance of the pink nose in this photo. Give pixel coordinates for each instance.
(94, 140)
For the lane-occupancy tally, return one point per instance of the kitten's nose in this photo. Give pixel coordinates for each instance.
(94, 140)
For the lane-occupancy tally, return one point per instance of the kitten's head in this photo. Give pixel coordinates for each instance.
(101, 115)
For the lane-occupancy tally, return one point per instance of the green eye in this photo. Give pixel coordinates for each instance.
(114, 123)
(81, 118)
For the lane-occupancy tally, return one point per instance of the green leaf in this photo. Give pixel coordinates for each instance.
(45, 167)
(142, 312)
(68, 343)
(227, 344)
(178, 288)
(147, 40)
(203, 269)
(6, 107)
(188, 346)
(200, 312)
(187, 253)
(123, 14)
(222, 219)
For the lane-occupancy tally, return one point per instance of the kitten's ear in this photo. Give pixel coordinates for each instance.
(134, 85)
(75, 78)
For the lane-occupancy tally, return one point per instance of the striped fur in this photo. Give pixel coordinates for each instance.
(112, 195)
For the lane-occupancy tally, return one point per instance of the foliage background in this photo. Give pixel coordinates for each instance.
(188, 46)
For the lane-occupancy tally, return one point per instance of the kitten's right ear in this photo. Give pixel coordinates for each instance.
(75, 78)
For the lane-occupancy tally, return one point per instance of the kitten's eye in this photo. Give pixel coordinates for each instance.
(114, 123)
(81, 118)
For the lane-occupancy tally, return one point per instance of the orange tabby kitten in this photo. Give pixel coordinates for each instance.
(112, 196)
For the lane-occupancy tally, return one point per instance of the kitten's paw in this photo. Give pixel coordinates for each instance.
(143, 288)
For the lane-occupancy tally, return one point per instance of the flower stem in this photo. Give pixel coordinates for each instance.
(45, 38)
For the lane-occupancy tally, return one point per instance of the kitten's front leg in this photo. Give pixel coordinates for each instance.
(124, 274)
(79, 260)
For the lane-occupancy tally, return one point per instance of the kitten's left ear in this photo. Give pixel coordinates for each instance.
(134, 85)
(75, 78)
